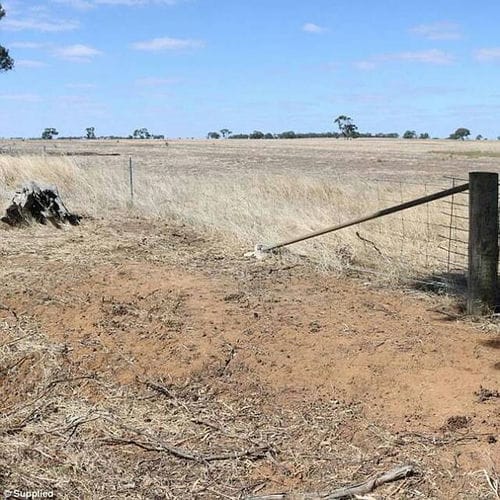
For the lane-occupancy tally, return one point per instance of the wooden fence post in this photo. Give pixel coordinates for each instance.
(131, 179)
(483, 242)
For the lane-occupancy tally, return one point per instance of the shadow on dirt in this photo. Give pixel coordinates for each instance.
(491, 343)
(453, 283)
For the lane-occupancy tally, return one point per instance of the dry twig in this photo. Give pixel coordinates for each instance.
(252, 454)
(347, 492)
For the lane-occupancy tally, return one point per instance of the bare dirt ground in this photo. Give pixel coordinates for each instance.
(144, 359)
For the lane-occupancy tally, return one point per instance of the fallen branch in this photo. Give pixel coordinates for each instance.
(254, 453)
(165, 391)
(73, 379)
(14, 365)
(348, 491)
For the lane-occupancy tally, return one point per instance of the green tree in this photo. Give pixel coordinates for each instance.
(90, 131)
(288, 134)
(213, 135)
(346, 126)
(479, 137)
(410, 134)
(460, 133)
(141, 133)
(6, 62)
(225, 132)
(49, 133)
(257, 134)
(424, 135)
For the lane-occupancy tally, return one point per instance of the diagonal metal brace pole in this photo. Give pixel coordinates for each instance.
(375, 215)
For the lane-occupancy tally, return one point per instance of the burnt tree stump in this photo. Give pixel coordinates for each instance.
(34, 202)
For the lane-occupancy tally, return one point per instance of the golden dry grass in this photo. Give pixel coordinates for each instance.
(251, 207)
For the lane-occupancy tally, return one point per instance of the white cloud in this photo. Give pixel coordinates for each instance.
(38, 9)
(491, 54)
(365, 65)
(77, 53)
(438, 31)
(35, 24)
(35, 17)
(21, 97)
(26, 45)
(313, 28)
(77, 4)
(29, 63)
(431, 56)
(74, 99)
(167, 43)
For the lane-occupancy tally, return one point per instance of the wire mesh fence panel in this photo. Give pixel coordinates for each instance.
(429, 241)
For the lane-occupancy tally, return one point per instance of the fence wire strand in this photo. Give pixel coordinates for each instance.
(444, 242)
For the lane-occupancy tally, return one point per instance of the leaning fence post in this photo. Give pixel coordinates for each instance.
(131, 179)
(483, 242)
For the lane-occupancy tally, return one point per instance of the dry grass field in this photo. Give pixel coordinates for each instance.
(266, 191)
(142, 356)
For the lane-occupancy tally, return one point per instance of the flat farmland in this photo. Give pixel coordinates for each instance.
(370, 158)
(252, 191)
(143, 356)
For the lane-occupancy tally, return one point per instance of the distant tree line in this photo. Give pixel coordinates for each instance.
(347, 130)
(411, 134)
(290, 134)
(350, 133)
(143, 133)
(345, 124)
(140, 133)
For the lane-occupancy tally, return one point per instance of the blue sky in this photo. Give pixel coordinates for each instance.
(186, 67)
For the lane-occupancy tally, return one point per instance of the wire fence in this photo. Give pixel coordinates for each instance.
(455, 236)
(434, 235)
(438, 231)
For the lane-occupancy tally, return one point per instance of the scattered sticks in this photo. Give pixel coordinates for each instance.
(352, 491)
(252, 454)
(154, 444)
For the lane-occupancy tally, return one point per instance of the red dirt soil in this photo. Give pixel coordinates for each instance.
(144, 300)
